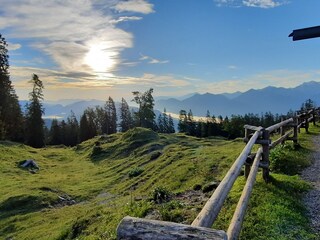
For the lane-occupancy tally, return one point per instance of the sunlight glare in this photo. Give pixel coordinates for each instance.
(99, 59)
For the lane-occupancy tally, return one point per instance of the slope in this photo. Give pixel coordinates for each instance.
(83, 192)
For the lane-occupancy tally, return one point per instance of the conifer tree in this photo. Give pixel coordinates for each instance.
(84, 128)
(170, 125)
(73, 130)
(126, 120)
(11, 120)
(145, 117)
(111, 114)
(182, 125)
(34, 122)
(55, 134)
(160, 124)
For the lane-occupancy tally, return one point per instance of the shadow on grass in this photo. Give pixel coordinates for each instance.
(21, 205)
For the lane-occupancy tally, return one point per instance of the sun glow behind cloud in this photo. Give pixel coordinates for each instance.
(100, 59)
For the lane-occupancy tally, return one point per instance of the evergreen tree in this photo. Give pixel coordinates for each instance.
(111, 115)
(55, 134)
(145, 117)
(102, 120)
(11, 120)
(63, 132)
(191, 126)
(160, 124)
(126, 120)
(165, 121)
(307, 105)
(84, 128)
(73, 130)
(182, 125)
(34, 122)
(170, 125)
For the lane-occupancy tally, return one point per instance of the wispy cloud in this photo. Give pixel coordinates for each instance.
(152, 60)
(251, 3)
(80, 29)
(139, 6)
(125, 19)
(13, 46)
(232, 67)
(278, 78)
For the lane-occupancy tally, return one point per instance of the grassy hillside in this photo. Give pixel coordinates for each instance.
(84, 192)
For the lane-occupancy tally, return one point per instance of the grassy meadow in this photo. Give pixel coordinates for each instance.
(84, 192)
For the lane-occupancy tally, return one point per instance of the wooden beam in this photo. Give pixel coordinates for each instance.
(131, 228)
(281, 139)
(213, 206)
(278, 125)
(305, 33)
(238, 216)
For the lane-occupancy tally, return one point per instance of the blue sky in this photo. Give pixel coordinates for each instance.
(95, 49)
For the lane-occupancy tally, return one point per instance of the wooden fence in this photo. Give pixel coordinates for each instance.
(135, 228)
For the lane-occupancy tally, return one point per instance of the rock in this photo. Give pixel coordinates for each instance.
(30, 164)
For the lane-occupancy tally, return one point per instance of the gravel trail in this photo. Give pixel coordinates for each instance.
(312, 198)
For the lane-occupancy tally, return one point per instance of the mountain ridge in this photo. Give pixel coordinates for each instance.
(274, 99)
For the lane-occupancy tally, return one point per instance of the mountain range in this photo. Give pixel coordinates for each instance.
(273, 99)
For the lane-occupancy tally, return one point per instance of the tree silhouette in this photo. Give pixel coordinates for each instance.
(11, 120)
(34, 121)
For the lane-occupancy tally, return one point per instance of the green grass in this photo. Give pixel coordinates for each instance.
(121, 177)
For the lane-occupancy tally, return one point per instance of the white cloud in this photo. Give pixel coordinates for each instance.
(232, 67)
(261, 3)
(13, 46)
(66, 31)
(139, 6)
(251, 3)
(125, 19)
(152, 60)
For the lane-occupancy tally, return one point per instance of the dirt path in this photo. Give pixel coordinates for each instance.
(312, 198)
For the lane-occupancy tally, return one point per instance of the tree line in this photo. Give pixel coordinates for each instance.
(28, 127)
(231, 127)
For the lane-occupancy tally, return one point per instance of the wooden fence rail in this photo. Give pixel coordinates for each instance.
(135, 228)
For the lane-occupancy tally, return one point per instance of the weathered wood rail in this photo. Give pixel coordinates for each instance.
(135, 228)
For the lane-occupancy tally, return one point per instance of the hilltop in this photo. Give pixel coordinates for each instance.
(83, 192)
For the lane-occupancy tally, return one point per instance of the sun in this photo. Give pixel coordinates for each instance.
(100, 59)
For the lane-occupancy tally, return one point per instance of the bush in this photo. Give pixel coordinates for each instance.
(135, 172)
(96, 150)
(161, 194)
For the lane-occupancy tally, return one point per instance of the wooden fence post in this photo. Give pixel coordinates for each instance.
(295, 130)
(265, 155)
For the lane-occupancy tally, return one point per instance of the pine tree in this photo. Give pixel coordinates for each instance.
(126, 120)
(160, 124)
(55, 134)
(11, 120)
(111, 114)
(170, 125)
(191, 129)
(73, 130)
(182, 125)
(34, 121)
(84, 128)
(145, 117)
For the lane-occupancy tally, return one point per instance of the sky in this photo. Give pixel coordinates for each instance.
(93, 49)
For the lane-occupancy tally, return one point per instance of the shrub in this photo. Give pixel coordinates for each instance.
(161, 194)
(135, 172)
